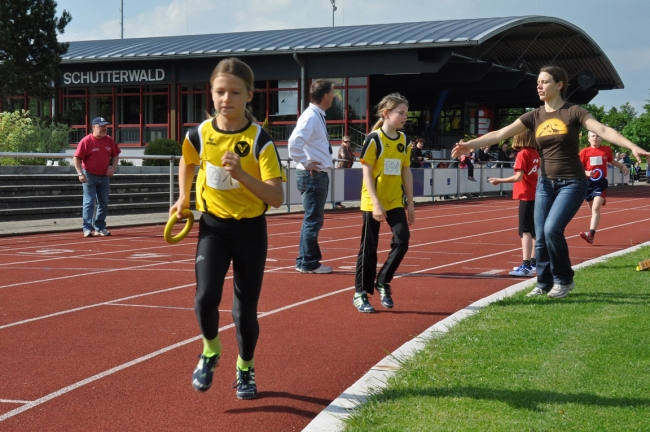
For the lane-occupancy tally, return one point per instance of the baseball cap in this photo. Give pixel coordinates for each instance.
(99, 121)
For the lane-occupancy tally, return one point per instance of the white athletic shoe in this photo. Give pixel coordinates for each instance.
(323, 269)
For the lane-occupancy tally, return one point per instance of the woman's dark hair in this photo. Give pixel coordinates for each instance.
(558, 75)
(319, 89)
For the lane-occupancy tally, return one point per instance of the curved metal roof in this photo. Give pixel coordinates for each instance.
(512, 43)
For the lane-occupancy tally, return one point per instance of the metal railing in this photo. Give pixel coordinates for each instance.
(171, 160)
(286, 163)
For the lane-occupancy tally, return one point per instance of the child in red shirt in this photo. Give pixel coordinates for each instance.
(525, 184)
(595, 159)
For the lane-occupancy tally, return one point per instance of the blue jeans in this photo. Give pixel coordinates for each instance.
(313, 189)
(556, 203)
(95, 187)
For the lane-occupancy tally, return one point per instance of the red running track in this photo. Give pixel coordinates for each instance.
(100, 333)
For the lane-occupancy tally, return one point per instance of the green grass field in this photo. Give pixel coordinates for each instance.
(581, 363)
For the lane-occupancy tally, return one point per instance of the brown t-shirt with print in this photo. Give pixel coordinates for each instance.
(558, 135)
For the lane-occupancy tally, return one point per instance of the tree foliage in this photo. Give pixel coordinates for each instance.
(22, 133)
(29, 51)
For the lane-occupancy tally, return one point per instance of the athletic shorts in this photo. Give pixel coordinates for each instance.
(597, 188)
(527, 218)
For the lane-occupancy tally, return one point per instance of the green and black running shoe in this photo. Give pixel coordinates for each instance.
(360, 301)
(202, 376)
(245, 383)
(384, 291)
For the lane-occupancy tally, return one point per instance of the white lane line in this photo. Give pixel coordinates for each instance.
(134, 362)
(9, 401)
(150, 306)
(94, 306)
(331, 418)
(90, 274)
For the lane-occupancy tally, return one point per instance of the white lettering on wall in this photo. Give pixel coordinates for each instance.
(114, 76)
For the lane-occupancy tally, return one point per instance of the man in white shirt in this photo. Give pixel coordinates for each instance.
(310, 149)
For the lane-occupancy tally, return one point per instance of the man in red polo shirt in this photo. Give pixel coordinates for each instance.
(93, 163)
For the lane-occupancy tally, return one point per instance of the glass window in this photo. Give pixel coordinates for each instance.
(258, 105)
(13, 104)
(74, 111)
(336, 111)
(152, 133)
(155, 109)
(40, 108)
(282, 84)
(193, 107)
(128, 89)
(155, 89)
(359, 81)
(74, 91)
(128, 135)
(101, 106)
(128, 110)
(283, 105)
(100, 90)
(198, 87)
(357, 104)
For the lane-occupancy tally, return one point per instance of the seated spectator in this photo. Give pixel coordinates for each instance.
(504, 155)
(466, 162)
(417, 158)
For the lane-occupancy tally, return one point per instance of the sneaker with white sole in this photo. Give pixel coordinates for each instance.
(245, 383)
(536, 292)
(323, 269)
(360, 301)
(202, 375)
(102, 232)
(560, 291)
(385, 292)
(88, 233)
(522, 271)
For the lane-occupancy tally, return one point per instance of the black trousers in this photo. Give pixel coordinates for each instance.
(367, 259)
(245, 243)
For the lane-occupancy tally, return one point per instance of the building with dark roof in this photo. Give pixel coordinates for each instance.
(460, 76)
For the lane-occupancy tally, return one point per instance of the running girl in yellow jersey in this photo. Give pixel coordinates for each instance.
(386, 164)
(240, 176)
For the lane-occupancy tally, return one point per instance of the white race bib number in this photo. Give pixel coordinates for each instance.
(392, 167)
(218, 178)
(595, 160)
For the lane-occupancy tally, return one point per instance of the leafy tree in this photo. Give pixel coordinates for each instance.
(29, 51)
(638, 130)
(22, 133)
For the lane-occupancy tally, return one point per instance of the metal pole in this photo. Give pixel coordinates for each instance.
(122, 19)
(288, 186)
(433, 176)
(171, 181)
(333, 10)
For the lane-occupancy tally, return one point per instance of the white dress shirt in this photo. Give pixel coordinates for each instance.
(309, 141)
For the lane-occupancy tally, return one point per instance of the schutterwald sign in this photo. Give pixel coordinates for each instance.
(124, 76)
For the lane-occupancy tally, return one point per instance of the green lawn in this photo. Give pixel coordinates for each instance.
(581, 363)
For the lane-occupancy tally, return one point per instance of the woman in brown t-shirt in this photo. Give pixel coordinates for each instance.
(562, 185)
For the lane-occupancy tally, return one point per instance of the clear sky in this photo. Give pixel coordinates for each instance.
(619, 27)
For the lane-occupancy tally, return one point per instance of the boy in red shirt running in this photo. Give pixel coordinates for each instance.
(595, 159)
(525, 184)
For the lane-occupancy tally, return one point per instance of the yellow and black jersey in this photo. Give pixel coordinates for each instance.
(387, 156)
(216, 191)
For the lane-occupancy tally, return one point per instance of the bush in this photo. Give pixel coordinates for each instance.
(20, 132)
(162, 147)
(125, 162)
